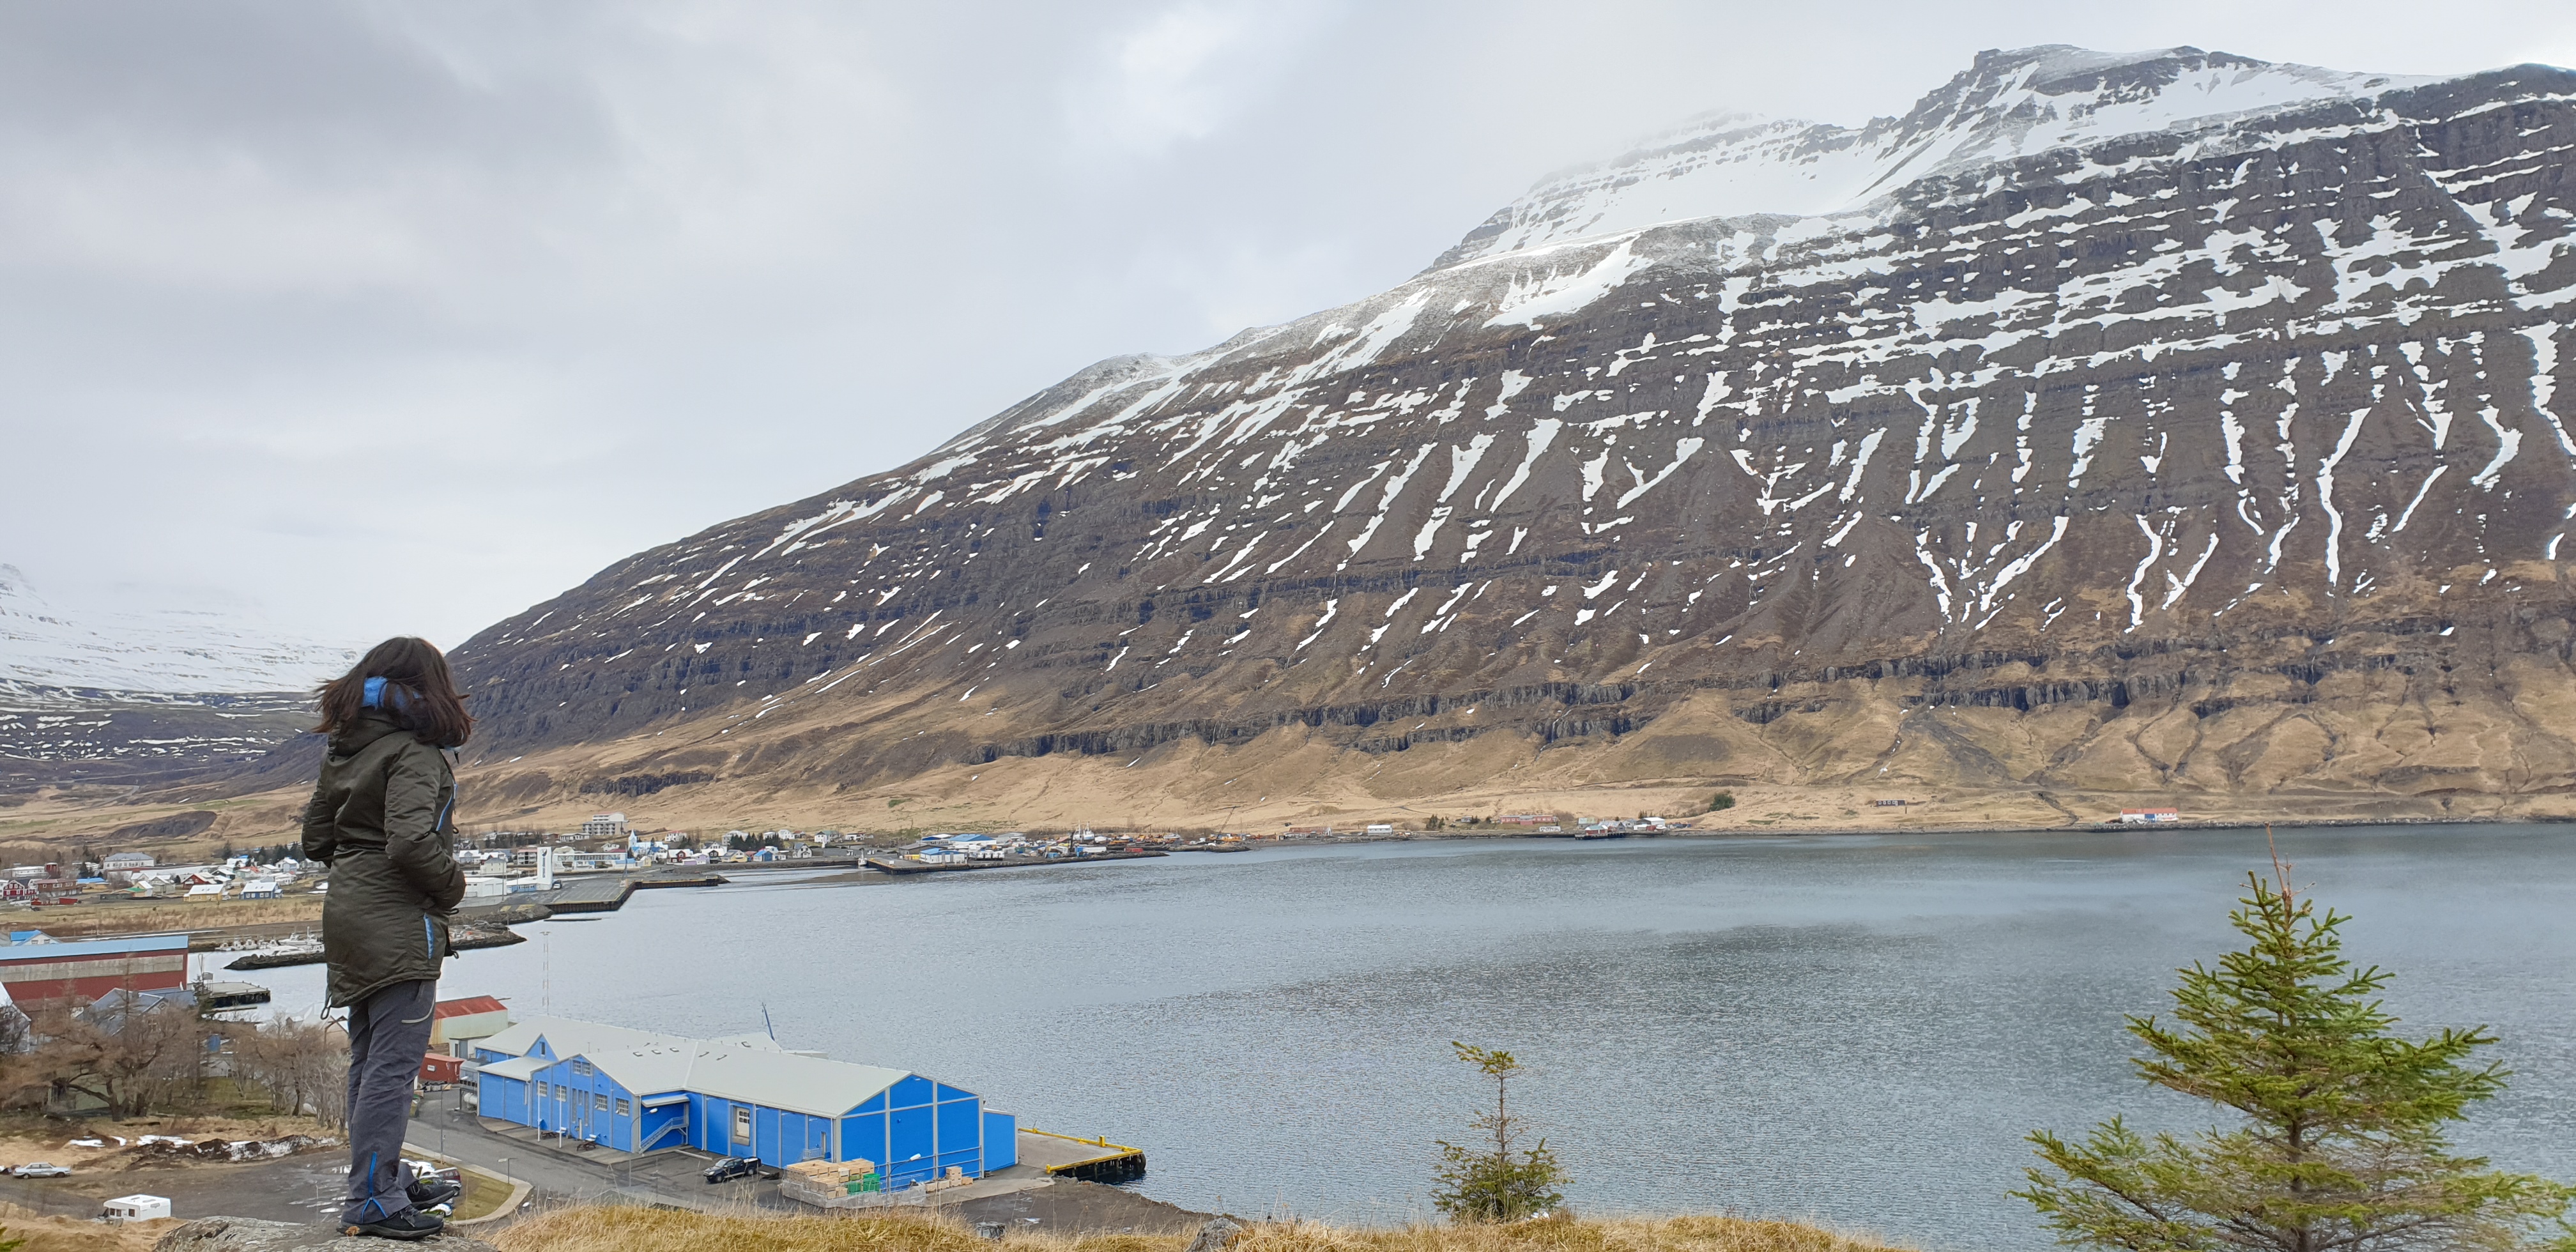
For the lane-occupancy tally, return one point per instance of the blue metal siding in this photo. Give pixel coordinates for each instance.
(913, 1131)
(910, 1150)
(1001, 1141)
(864, 1137)
(961, 1136)
(617, 1132)
(708, 1116)
(504, 1098)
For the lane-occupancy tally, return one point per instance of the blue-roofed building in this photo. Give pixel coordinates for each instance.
(637, 1091)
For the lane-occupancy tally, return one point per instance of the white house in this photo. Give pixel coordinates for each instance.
(134, 1208)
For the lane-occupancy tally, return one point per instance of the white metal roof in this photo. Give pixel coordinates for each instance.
(649, 1070)
(752, 1069)
(784, 1080)
(566, 1036)
(519, 1067)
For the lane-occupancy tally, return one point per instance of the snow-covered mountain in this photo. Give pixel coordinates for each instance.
(89, 693)
(2163, 423)
(2009, 104)
(168, 652)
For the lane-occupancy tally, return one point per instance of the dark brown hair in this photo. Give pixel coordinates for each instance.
(419, 694)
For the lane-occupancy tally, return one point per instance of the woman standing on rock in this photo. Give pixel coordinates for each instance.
(380, 820)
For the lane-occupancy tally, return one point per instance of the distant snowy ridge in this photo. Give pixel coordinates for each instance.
(2006, 105)
(46, 647)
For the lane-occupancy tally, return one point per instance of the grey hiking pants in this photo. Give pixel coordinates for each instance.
(388, 1034)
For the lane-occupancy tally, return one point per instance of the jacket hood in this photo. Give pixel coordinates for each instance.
(372, 725)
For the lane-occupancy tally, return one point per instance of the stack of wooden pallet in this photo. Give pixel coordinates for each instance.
(817, 1181)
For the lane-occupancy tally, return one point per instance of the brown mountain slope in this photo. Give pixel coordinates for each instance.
(2217, 461)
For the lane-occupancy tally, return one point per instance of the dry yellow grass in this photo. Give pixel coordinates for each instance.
(70, 1234)
(600, 1229)
(1623, 1234)
(145, 919)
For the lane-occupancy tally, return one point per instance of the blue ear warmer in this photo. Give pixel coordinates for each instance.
(374, 696)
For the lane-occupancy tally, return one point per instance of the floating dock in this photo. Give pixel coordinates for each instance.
(1091, 1160)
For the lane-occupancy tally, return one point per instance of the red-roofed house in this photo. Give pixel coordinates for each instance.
(455, 1023)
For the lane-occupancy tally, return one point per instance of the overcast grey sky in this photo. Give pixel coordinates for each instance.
(399, 317)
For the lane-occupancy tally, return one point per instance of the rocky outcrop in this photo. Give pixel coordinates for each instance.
(2181, 422)
(243, 1234)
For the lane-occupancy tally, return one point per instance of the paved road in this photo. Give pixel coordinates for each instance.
(300, 1188)
(562, 1176)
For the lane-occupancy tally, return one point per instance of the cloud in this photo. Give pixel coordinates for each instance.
(1182, 73)
(404, 317)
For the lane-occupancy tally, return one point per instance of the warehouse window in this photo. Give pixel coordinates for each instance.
(599, 1100)
(562, 1092)
(581, 1069)
(621, 1106)
(741, 1124)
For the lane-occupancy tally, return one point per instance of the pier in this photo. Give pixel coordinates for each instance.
(890, 866)
(1091, 1160)
(607, 895)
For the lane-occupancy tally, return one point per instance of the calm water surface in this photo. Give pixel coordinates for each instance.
(1854, 1028)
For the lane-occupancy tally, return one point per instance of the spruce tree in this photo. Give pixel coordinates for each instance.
(1496, 1184)
(2340, 1147)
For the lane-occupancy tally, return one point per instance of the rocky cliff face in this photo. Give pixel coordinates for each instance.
(2166, 424)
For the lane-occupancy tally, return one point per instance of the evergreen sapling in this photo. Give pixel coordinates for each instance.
(2340, 1148)
(1493, 1183)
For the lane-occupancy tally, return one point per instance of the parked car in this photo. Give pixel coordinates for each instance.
(733, 1167)
(41, 1169)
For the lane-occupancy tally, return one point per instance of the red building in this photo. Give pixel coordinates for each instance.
(456, 1023)
(37, 969)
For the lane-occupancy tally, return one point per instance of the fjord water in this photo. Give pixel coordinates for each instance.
(1854, 1028)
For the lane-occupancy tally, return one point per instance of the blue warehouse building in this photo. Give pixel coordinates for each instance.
(741, 1096)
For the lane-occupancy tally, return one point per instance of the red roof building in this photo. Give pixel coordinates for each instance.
(454, 1023)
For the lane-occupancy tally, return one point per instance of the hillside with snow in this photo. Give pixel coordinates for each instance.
(174, 687)
(170, 652)
(2170, 427)
(2008, 105)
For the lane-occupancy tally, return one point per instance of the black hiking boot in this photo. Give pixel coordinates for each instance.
(429, 1193)
(407, 1224)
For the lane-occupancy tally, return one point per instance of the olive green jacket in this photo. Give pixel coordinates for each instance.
(380, 820)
